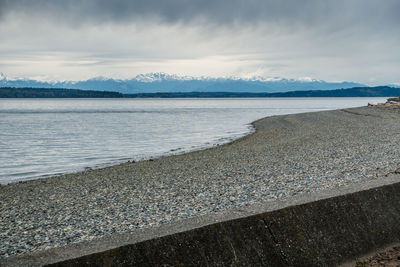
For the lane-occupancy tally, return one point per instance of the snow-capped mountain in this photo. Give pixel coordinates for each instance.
(161, 76)
(395, 85)
(2, 76)
(163, 82)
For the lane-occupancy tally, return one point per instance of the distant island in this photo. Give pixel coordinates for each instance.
(10, 92)
(378, 91)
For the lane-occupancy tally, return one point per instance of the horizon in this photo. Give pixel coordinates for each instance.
(333, 41)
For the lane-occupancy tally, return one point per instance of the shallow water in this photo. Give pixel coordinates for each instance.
(44, 137)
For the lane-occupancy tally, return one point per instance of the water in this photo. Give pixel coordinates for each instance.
(44, 137)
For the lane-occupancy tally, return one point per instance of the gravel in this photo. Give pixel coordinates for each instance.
(287, 156)
(389, 257)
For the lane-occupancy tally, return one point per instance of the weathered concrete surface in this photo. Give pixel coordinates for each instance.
(324, 232)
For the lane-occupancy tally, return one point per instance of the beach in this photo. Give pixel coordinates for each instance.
(287, 156)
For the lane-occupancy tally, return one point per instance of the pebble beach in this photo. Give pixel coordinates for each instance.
(286, 156)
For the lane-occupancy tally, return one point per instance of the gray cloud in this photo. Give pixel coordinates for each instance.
(325, 39)
(222, 12)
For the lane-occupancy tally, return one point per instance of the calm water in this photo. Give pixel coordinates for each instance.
(42, 137)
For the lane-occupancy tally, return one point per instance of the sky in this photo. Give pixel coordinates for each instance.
(331, 40)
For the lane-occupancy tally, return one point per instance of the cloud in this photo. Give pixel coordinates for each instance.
(220, 12)
(331, 39)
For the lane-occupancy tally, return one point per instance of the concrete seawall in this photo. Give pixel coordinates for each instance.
(325, 232)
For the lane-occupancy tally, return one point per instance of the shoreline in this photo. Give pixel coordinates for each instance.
(51, 170)
(287, 156)
(174, 152)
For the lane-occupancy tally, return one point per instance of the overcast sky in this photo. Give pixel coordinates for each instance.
(333, 40)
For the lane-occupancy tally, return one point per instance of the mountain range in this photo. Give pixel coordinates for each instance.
(162, 82)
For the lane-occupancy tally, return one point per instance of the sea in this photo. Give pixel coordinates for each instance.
(47, 137)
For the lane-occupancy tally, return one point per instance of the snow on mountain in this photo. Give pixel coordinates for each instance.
(396, 85)
(3, 76)
(160, 76)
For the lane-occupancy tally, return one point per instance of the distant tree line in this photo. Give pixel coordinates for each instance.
(10, 92)
(378, 91)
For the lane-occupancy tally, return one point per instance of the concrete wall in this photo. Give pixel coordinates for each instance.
(321, 233)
